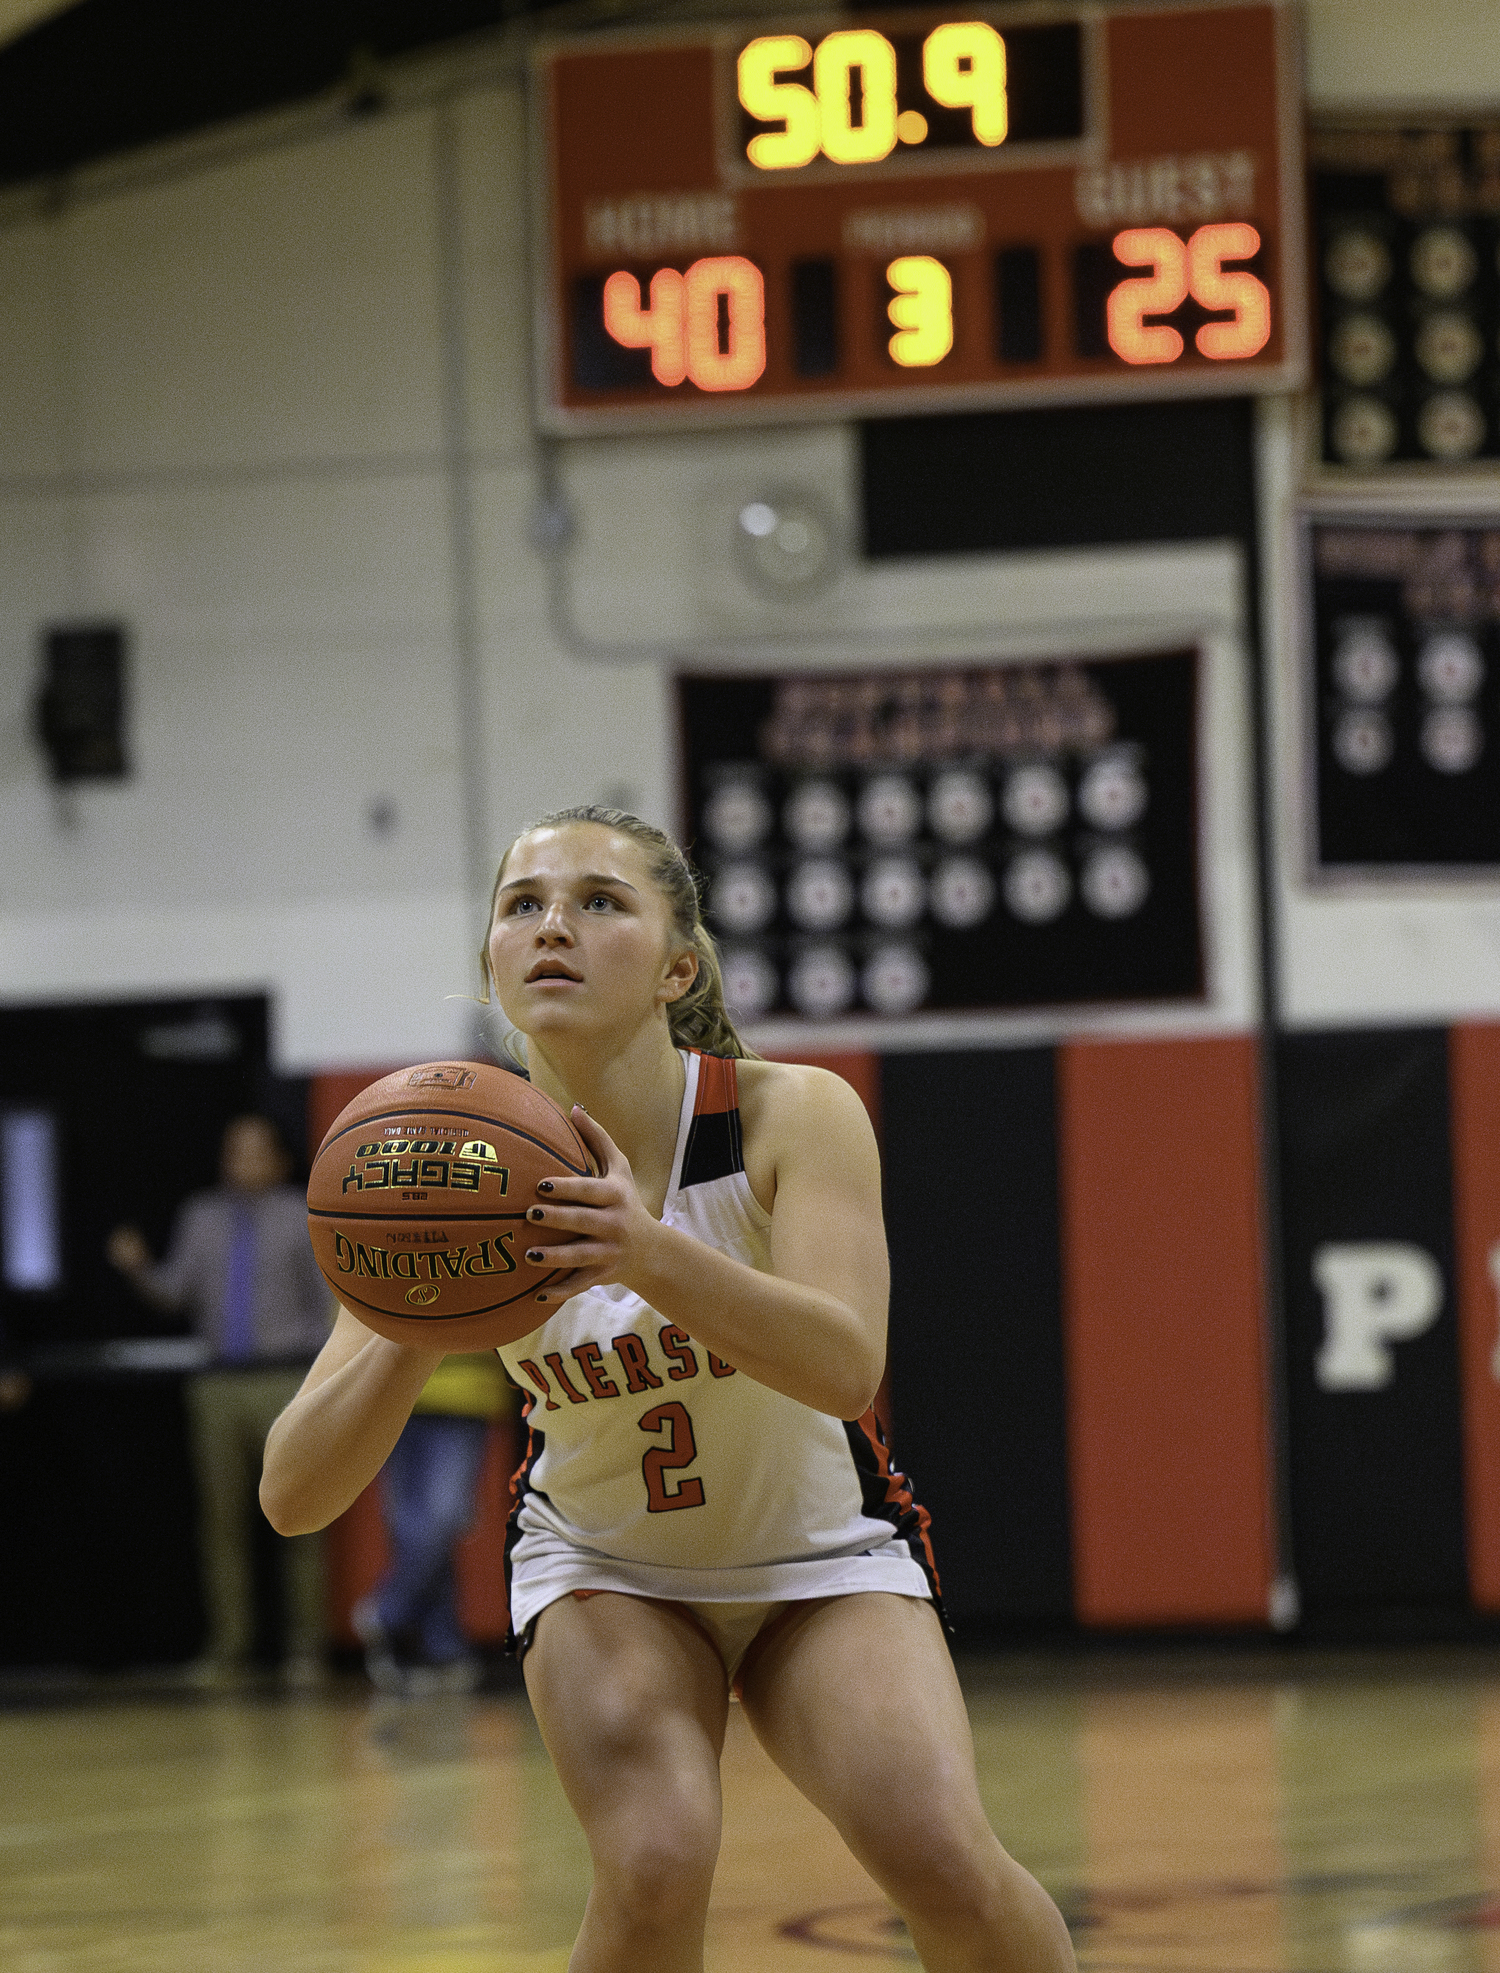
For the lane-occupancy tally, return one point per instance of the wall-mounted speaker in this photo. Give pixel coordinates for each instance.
(80, 707)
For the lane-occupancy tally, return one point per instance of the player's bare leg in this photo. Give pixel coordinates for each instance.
(855, 1699)
(631, 1701)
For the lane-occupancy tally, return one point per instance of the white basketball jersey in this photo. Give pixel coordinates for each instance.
(655, 1467)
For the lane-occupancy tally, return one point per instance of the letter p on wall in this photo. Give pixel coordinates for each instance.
(1375, 1293)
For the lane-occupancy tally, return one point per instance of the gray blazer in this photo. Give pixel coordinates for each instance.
(291, 1303)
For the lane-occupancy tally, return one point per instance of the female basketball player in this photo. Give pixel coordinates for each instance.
(695, 1512)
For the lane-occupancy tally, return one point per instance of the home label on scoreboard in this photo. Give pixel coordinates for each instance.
(811, 217)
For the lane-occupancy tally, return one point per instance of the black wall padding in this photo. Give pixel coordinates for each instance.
(97, 1556)
(1375, 1473)
(976, 1327)
(1079, 477)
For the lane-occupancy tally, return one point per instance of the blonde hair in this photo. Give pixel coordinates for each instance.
(700, 1018)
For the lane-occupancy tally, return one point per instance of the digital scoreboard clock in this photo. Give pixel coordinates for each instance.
(872, 213)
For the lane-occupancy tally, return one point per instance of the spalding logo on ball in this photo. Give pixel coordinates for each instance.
(418, 1197)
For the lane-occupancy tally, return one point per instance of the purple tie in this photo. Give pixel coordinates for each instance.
(239, 1325)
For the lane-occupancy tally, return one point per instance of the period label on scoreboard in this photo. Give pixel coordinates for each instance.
(824, 215)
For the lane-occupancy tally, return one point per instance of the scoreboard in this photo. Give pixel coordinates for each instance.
(812, 217)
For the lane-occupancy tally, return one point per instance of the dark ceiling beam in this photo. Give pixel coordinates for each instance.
(98, 78)
(18, 17)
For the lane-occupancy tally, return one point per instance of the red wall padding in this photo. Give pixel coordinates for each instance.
(1474, 1099)
(1163, 1316)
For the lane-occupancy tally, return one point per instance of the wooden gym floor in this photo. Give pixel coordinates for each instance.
(1193, 1813)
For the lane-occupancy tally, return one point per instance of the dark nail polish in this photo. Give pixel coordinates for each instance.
(541, 1298)
(535, 1212)
(544, 1185)
(536, 1253)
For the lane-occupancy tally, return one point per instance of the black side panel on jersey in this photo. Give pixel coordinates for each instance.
(1375, 1454)
(886, 1496)
(977, 1393)
(536, 1445)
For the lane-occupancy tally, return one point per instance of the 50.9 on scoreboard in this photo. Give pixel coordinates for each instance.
(929, 208)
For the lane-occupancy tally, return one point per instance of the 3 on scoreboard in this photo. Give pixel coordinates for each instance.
(807, 216)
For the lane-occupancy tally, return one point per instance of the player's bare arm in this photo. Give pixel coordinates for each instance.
(337, 1433)
(814, 1328)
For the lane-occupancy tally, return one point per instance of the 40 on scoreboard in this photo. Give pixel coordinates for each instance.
(816, 216)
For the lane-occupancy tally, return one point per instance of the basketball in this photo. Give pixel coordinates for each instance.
(418, 1198)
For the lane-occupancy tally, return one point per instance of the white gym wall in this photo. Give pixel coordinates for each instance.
(265, 400)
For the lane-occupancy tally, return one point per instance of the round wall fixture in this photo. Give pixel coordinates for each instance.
(960, 806)
(1364, 431)
(822, 981)
(1358, 265)
(1362, 740)
(820, 894)
(743, 897)
(787, 542)
(1036, 799)
(1113, 792)
(889, 809)
(1451, 668)
(750, 981)
(1366, 668)
(736, 816)
(1037, 886)
(895, 979)
(1452, 739)
(816, 815)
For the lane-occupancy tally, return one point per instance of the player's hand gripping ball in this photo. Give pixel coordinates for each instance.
(418, 1197)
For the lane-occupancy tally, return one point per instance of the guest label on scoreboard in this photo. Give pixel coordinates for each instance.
(812, 217)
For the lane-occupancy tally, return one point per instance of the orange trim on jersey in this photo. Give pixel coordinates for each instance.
(898, 1491)
(718, 1090)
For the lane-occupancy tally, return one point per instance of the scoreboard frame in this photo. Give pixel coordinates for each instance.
(1079, 170)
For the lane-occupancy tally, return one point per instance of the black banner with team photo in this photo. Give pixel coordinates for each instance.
(981, 836)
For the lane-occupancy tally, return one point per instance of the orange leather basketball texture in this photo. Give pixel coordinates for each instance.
(418, 1198)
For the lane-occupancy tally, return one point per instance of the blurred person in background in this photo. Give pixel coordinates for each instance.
(409, 1623)
(241, 1266)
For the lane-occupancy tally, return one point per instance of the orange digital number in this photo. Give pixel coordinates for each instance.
(1157, 293)
(680, 1450)
(661, 328)
(707, 326)
(1181, 269)
(1250, 299)
(726, 323)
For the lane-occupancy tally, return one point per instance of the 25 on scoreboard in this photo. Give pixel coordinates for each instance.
(807, 217)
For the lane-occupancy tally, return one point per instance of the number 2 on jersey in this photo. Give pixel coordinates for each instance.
(680, 1450)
